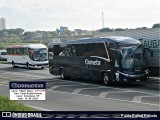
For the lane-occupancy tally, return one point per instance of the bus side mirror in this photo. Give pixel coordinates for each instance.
(150, 51)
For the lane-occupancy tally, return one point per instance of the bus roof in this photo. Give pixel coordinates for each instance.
(116, 39)
(34, 46)
(3, 50)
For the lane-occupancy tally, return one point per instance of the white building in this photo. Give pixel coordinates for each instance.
(2, 23)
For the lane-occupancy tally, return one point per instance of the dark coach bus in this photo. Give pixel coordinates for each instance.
(110, 59)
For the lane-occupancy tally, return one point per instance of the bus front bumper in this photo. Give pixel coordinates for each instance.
(39, 65)
(133, 77)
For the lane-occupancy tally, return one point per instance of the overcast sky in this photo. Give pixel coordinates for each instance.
(48, 15)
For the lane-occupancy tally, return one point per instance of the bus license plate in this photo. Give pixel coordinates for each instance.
(138, 80)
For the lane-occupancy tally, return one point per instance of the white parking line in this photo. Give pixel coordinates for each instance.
(20, 74)
(137, 99)
(77, 91)
(54, 87)
(156, 95)
(107, 98)
(59, 82)
(38, 108)
(80, 89)
(103, 94)
(100, 86)
(4, 84)
(57, 86)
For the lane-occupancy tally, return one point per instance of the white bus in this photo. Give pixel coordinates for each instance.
(3, 55)
(30, 56)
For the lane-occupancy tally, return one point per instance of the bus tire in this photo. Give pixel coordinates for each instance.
(27, 65)
(145, 78)
(13, 64)
(106, 79)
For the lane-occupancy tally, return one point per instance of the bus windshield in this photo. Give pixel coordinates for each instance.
(39, 54)
(3, 53)
(132, 57)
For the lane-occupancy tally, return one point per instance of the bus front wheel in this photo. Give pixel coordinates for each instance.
(106, 79)
(13, 64)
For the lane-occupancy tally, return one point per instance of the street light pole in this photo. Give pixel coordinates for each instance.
(102, 20)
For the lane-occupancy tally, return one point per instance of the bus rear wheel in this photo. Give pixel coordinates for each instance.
(27, 65)
(106, 79)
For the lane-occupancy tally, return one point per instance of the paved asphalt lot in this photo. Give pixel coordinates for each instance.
(83, 95)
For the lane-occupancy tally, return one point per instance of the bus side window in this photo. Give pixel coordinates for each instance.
(25, 51)
(8, 51)
(17, 50)
(21, 51)
(79, 49)
(95, 49)
(70, 50)
(31, 54)
(57, 50)
(73, 50)
(11, 50)
(14, 51)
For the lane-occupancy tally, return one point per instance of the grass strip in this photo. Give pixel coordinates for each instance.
(3, 61)
(9, 105)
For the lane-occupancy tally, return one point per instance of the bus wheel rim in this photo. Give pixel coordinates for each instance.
(105, 79)
(27, 65)
(62, 74)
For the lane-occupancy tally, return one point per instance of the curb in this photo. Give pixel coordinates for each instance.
(3, 62)
(154, 79)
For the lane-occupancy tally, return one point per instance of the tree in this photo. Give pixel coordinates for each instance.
(119, 29)
(28, 35)
(105, 30)
(157, 25)
(67, 32)
(5, 34)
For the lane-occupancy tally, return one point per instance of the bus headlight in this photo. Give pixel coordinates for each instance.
(124, 79)
(147, 71)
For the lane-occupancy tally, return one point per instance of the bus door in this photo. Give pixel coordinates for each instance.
(116, 64)
(53, 60)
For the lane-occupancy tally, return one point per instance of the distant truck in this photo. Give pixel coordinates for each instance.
(3, 55)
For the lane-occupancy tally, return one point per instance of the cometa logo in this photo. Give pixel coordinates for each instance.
(91, 62)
